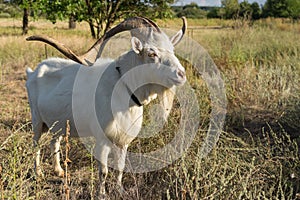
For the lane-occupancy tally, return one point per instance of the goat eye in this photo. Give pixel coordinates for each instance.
(152, 55)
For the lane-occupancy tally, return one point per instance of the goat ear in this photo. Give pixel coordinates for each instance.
(137, 45)
(175, 39)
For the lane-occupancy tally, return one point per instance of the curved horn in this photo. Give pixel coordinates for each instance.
(184, 26)
(131, 23)
(95, 51)
(59, 46)
(179, 35)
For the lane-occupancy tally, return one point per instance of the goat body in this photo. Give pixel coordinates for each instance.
(104, 100)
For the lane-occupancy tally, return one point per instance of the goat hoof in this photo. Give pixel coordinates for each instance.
(100, 196)
(60, 173)
(121, 189)
(39, 173)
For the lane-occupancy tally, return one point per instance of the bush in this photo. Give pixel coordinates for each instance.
(9, 10)
(190, 11)
(5, 15)
(214, 13)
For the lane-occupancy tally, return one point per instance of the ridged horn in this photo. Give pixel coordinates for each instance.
(131, 23)
(59, 46)
(184, 25)
(95, 51)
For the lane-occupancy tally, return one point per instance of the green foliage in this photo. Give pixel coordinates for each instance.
(282, 8)
(231, 8)
(59, 10)
(275, 8)
(245, 9)
(35, 6)
(9, 10)
(102, 14)
(294, 8)
(156, 9)
(249, 11)
(256, 11)
(214, 13)
(192, 11)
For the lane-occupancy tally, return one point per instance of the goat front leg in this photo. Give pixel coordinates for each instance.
(103, 152)
(120, 156)
(55, 148)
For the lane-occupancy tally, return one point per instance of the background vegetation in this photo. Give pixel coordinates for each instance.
(101, 15)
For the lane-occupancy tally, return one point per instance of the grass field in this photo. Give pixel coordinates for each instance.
(256, 156)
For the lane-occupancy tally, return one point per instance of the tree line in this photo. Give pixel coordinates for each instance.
(99, 14)
(102, 14)
(232, 9)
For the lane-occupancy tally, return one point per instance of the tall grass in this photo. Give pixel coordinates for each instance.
(237, 168)
(256, 156)
(261, 67)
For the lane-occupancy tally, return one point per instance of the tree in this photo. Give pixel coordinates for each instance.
(245, 10)
(214, 13)
(282, 8)
(192, 11)
(157, 8)
(25, 21)
(231, 8)
(30, 7)
(256, 11)
(294, 9)
(276, 8)
(250, 11)
(59, 10)
(101, 15)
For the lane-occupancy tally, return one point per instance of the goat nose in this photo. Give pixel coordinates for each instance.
(181, 73)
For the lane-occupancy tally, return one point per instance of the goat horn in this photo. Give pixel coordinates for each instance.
(59, 46)
(184, 25)
(95, 51)
(131, 23)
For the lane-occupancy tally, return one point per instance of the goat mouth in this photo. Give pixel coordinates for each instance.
(178, 82)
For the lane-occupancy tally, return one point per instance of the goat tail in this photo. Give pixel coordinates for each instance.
(29, 71)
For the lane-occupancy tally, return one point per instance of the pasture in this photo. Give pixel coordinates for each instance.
(256, 156)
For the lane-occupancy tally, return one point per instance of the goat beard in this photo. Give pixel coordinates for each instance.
(166, 98)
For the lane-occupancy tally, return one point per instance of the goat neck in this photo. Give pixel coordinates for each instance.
(132, 95)
(140, 94)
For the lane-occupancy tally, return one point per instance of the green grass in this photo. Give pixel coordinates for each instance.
(256, 156)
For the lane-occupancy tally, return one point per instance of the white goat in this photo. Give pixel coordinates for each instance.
(50, 89)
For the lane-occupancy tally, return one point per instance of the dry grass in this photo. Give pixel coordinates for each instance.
(257, 154)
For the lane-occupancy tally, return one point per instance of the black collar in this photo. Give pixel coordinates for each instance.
(132, 96)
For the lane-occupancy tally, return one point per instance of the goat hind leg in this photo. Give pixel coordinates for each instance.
(37, 130)
(55, 148)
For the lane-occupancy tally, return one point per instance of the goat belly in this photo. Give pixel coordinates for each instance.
(120, 139)
(125, 126)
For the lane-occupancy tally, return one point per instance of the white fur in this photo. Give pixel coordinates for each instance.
(50, 91)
